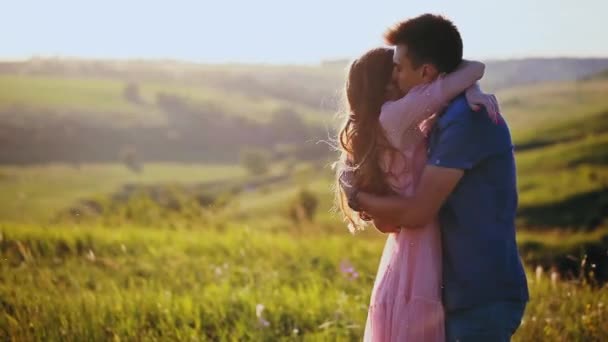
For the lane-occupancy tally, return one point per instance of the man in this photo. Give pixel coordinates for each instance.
(470, 183)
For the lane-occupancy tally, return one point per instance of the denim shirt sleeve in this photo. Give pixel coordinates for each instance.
(456, 142)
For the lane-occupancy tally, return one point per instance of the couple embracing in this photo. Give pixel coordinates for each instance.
(428, 159)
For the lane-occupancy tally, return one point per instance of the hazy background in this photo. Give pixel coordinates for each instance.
(165, 167)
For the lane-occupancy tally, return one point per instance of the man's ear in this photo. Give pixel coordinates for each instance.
(429, 72)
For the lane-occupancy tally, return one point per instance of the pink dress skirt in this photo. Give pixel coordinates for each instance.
(406, 299)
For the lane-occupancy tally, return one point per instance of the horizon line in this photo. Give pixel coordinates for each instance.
(328, 60)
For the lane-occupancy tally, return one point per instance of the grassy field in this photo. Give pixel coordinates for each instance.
(570, 161)
(37, 193)
(142, 283)
(74, 281)
(563, 181)
(242, 268)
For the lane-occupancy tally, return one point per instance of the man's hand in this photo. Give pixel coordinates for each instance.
(347, 183)
(365, 216)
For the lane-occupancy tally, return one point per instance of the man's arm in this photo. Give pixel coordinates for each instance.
(457, 149)
(435, 186)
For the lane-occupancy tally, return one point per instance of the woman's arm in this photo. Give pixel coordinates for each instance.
(425, 100)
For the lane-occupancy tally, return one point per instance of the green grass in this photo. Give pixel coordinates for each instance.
(590, 150)
(125, 280)
(559, 185)
(561, 239)
(561, 171)
(37, 193)
(178, 284)
(564, 131)
(101, 283)
(563, 182)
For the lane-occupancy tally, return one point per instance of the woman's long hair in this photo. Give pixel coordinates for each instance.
(362, 140)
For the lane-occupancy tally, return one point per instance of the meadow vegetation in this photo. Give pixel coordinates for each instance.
(198, 231)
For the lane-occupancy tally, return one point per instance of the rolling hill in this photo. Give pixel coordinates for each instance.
(256, 92)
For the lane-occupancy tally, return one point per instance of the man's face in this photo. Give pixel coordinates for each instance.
(406, 76)
(392, 91)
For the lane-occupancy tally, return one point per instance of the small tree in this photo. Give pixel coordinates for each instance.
(131, 93)
(255, 160)
(304, 206)
(129, 158)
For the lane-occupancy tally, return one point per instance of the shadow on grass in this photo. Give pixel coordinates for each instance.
(586, 261)
(585, 211)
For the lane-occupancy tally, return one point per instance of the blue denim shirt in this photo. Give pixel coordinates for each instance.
(481, 263)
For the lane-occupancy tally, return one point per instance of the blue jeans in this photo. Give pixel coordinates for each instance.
(495, 322)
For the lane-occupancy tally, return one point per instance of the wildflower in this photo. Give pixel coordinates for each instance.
(346, 267)
(259, 309)
(348, 270)
(90, 255)
(326, 325)
(539, 273)
(554, 278)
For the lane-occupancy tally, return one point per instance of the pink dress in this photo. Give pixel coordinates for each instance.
(406, 302)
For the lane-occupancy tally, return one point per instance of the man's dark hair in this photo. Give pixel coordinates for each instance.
(429, 39)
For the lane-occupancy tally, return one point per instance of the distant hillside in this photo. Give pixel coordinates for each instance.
(599, 76)
(563, 174)
(510, 73)
(501, 74)
(536, 106)
(79, 110)
(253, 91)
(105, 111)
(311, 82)
(306, 86)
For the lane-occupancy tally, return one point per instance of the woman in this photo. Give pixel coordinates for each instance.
(384, 151)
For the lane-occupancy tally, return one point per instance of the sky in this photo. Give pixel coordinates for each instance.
(290, 32)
